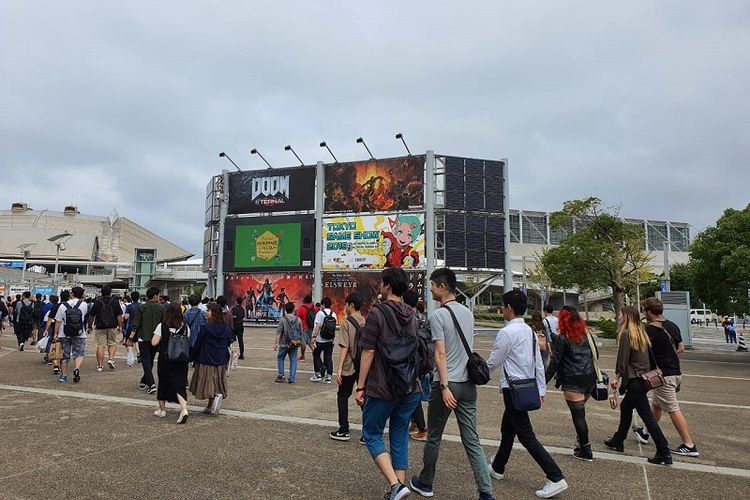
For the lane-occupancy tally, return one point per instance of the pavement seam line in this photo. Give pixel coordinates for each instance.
(712, 469)
(645, 478)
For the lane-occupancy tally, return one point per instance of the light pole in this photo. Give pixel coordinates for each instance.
(25, 248)
(59, 241)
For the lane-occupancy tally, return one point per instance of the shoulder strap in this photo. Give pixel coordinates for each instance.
(657, 324)
(353, 322)
(549, 327)
(78, 304)
(458, 329)
(594, 357)
(390, 317)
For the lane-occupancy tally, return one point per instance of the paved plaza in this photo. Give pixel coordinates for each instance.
(99, 439)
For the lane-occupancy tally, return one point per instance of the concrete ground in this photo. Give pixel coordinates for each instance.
(99, 438)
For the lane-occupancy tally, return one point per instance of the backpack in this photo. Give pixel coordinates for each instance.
(328, 328)
(238, 318)
(26, 315)
(106, 318)
(293, 333)
(357, 357)
(310, 317)
(400, 354)
(426, 348)
(73, 320)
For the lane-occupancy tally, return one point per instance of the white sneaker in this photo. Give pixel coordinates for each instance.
(316, 378)
(99, 369)
(111, 364)
(183, 417)
(160, 414)
(494, 474)
(551, 489)
(328, 380)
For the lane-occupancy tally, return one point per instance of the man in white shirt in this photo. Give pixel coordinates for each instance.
(550, 324)
(322, 343)
(517, 355)
(70, 329)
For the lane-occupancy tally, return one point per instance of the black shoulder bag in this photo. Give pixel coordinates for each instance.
(479, 373)
(524, 393)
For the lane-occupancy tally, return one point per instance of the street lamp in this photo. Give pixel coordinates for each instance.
(59, 241)
(25, 248)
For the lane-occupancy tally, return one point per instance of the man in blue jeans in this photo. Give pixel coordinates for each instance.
(387, 320)
(283, 344)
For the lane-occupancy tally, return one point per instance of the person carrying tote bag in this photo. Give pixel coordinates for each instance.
(633, 361)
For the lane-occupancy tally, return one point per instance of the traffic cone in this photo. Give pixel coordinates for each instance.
(741, 347)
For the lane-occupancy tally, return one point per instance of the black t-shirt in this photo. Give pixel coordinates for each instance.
(664, 346)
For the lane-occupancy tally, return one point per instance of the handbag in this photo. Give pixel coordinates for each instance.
(652, 378)
(524, 393)
(56, 351)
(178, 348)
(479, 372)
(600, 391)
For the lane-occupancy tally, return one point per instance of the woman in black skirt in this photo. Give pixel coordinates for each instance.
(172, 374)
(573, 363)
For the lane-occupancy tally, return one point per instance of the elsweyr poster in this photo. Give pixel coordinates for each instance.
(374, 242)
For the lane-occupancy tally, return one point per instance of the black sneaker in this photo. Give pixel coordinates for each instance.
(362, 440)
(339, 436)
(20, 347)
(76, 376)
(397, 492)
(584, 453)
(641, 435)
(56, 371)
(152, 389)
(614, 445)
(661, 460)
(686, 451)
(279, 379)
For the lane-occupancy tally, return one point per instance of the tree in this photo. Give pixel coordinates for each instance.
(681, 278)
(603, 250)
(720, 263)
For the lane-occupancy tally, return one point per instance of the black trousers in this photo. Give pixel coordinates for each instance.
(147, 362)
(517, 424)
(324, 366)
(635, 399)
(342, 398)
(23, 332)
(238, 333)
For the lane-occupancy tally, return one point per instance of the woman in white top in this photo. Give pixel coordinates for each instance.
(172, 374)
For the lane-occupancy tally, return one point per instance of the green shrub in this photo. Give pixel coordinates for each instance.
(607, 328)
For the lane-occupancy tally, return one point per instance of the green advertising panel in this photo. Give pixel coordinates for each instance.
(267, 245)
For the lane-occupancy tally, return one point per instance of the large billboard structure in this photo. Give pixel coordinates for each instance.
(354, 219)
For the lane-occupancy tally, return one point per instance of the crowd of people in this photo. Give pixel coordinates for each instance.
(391, 361)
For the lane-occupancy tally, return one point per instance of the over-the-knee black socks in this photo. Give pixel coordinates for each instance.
(578, 412)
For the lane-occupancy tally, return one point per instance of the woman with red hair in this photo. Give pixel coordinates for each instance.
(572, 363)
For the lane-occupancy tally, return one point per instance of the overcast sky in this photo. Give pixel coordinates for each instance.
(126, 104)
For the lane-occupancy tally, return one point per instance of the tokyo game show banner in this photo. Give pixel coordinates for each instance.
(277, 190)
(338, 284)
(388, 185)
(374, 242)
(266, 293)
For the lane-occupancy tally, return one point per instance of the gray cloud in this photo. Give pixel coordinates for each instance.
(643, 104)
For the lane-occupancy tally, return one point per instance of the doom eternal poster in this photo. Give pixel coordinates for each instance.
(337, 285)
(266, 294)
(393, 184)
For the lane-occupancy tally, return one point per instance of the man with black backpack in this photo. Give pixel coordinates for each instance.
(70, 328)
(388, 384)
(24, 319)
(349, 359)
(322, 343)
(106, 317)
(288, 340)
(452, 327)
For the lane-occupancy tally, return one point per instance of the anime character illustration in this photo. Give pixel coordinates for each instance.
(250, 303)
(282, 299)
(398, 242)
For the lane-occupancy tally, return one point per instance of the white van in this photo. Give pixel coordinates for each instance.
(701, 315)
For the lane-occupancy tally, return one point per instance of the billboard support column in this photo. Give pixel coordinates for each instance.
(223, 211)
(430, 237)
(508, 285)
(320, 183)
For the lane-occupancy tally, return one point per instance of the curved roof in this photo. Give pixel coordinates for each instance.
(112, 238)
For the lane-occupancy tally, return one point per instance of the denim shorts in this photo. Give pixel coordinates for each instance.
(75, 346)
(397, 413)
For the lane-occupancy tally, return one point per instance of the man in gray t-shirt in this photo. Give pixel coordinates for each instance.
(444, 330)
(452, 389)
